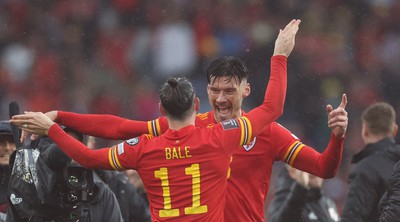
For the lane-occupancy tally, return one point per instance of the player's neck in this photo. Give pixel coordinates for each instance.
(179, 124)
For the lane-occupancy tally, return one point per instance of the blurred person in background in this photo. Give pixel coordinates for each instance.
(389, 206)
(227, 87)
(7, 147)
(137, 182)
(131, 202)
(374, 164)
(299, 198)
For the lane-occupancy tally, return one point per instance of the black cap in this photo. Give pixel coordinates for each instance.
(5, 127)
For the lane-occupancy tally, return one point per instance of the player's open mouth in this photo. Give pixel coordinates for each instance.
(223, 111)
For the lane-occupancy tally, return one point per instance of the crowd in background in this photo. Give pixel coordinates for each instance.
(98, 56)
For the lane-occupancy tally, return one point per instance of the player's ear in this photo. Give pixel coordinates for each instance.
(197, 103)
(161, 109)
(247, 90)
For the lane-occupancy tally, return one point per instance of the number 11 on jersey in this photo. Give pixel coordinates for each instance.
(196, 208)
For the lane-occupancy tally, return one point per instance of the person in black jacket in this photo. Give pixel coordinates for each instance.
(374, 164)
(389, 206)
(298, 198)
(7, 147)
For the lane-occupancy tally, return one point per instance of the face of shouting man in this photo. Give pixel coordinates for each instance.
(226, 95)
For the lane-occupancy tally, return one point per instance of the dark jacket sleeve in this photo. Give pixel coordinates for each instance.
(133, 206)
(391, 210)
(362, 197)
(289, 200)
(105, 207)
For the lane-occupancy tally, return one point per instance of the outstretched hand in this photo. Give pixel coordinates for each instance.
(285, 41)
(337, 118)
(52, 115)
(34, 122)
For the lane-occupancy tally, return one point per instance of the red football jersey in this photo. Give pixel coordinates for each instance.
(251, 165)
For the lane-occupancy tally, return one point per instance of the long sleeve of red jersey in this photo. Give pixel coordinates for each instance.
(324, 165)
(105, 126)
(274, 99)
(86, 157)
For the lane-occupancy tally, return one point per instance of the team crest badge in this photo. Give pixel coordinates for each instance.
(133, 141)
(250, 146)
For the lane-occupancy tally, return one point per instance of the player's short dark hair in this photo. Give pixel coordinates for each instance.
(227, 66)
(177, 97)
(379, 118)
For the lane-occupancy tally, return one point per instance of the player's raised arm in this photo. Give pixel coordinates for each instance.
(274, 99)
(272, 107)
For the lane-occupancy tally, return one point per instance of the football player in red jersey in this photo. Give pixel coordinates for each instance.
(185, 169)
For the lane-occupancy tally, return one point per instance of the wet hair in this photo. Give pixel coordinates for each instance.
(227, 66)
(177, 97)
(379, 118)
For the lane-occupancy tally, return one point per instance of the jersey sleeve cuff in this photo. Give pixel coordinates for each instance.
(279, 58)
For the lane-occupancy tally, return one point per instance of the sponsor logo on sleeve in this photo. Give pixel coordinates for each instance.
(133, 141)
(230, 124)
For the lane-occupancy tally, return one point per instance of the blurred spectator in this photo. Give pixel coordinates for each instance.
(151, 50)
(389, 206)
(135, 179)
(299, 197)
(374, 164)
(7, 147)
(132, 204)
